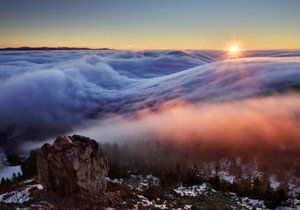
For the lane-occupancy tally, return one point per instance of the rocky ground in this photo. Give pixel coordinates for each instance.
(72, 173)
(134, 192)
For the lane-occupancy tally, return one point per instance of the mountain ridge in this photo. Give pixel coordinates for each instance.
(50, 48)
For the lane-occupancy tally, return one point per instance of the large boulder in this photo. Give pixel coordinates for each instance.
(73, 165)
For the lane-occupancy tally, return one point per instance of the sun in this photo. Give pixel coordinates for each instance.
(234, 49)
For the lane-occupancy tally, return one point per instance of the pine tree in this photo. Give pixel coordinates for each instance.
(256, 187)
(19, 175)
(14, 177)
(3, 181)
(3, 186)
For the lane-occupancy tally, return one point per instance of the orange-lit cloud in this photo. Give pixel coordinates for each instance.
(261, 122)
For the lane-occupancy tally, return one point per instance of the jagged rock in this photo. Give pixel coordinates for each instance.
(73, 166)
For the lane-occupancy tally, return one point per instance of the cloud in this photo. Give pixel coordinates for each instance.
(261, 122)
(50, 93)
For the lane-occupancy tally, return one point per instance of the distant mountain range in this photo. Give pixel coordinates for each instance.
(50, 48)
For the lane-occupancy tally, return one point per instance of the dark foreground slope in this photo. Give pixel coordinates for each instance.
(132, 183)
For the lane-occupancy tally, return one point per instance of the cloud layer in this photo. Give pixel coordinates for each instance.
(55, 92)
(259, 122)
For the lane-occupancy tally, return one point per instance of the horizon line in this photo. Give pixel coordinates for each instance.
(130, 49)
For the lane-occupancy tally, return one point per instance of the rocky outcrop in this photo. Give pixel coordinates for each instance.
(73, 165)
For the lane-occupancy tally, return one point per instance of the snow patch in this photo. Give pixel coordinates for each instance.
(273, 182)
(146, 203)
(138, 182)
(250, 203)
(191, 191)
(224, 175)
(19, 196)
(293, 186)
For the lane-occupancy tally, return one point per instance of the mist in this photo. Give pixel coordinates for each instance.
(178, 95)
(261, 121)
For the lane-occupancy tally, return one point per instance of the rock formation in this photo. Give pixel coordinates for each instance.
(73, 165)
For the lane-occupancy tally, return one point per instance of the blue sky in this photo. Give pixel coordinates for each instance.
(256, 24)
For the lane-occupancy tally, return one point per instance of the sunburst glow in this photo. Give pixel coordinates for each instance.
(234, 49)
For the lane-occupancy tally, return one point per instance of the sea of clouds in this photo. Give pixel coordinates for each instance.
(119, 95)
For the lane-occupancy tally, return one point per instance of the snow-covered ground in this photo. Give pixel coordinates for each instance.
(138, 182)
(250, 203)
(293, 184)
(19, 196)
(204, 189)
(273, 182)
(251, 170)
(6, 171)
(192, 191)
(150, 204)
(141, 183)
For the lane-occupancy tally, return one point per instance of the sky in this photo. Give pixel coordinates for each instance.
(155, 24)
